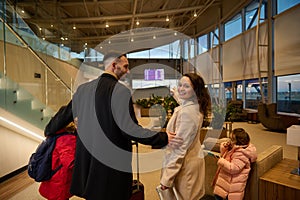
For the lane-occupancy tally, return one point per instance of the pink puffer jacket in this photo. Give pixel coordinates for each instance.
(234, 171)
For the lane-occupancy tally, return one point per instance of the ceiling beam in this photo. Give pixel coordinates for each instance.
(70, 3)
(133, 14)
(121, 17)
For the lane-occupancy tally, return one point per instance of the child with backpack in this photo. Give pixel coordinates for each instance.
(234, 166)
(58, 187)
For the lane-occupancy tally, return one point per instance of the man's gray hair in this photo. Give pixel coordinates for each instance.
(110, 57)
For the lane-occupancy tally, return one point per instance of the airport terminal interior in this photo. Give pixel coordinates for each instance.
(246, 51)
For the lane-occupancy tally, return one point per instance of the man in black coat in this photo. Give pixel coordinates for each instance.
(106, 126)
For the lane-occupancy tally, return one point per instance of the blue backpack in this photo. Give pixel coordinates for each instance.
(40, 162)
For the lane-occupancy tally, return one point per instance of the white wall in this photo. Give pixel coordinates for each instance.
(16, 145)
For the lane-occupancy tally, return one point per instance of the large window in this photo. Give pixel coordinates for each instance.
(288, 93)
(166, 51)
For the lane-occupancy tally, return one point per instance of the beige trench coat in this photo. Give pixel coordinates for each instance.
(183, 168)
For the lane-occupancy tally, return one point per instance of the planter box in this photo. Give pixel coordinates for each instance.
(153, 112)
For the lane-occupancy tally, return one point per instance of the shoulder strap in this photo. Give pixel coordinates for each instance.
(62, 134)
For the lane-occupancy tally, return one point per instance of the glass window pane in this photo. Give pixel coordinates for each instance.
(233, 27)
(239, 90)
(283, 5)
(253, 96)
(166, 51)
(214, 38)
(228, 91)
(175, 49)
(202, 44)
(140, 54)
(185, 49)
(251, 15)
(288, 93)
(160, 52)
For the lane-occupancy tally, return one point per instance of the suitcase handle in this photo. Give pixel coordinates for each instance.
(137, 164)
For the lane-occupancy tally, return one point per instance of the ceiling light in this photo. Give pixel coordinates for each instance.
(167, 18)
(195, 14)
(154, 37)
(175, 33)
(106, 25)
(22, 11)
(74, 27)
(40, 28)
(109, 41)
(132, 40)
(44, 38)
(137, 22)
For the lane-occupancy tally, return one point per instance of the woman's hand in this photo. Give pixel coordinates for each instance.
(174, 142)
(175, 95)
(227, 145)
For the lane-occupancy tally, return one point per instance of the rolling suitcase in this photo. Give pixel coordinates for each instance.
(137, 186)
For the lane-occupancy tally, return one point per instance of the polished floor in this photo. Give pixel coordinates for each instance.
(22, 187)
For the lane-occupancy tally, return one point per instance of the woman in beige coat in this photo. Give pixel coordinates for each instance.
(183, 172)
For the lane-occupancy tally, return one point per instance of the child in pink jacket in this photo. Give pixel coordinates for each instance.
(234, 166)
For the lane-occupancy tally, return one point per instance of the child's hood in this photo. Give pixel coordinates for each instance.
(249, 151)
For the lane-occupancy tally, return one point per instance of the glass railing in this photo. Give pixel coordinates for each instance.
(23, 104)
(30, 88)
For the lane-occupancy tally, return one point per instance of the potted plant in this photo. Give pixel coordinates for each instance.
(218, 112)
(162, 107)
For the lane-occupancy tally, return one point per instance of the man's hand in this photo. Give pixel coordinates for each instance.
(174, 142)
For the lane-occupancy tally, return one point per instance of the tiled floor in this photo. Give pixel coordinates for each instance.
(260, 137)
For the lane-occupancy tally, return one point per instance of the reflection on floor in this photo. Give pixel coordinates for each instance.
(26, 189)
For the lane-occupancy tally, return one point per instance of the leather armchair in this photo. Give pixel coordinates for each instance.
(268, 116)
